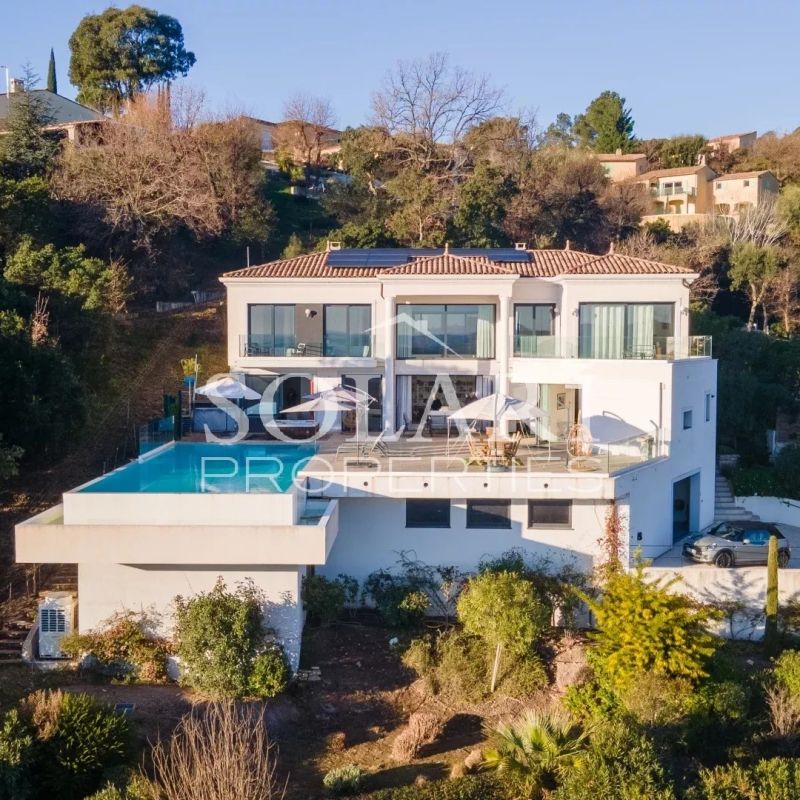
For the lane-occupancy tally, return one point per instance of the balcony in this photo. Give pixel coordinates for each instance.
(667, 348)
(265, 346)
(668, 191)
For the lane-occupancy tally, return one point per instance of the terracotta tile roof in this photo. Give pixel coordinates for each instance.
(541, 264)
(732, 176)
(672, 172)
(731, 136)
(620, 157)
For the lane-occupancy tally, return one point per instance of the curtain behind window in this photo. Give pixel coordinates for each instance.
(485, 348)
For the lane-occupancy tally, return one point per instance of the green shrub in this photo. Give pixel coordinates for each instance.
(16, 744)
(656, 699)
(523, 677)
(219, 635)
(504, 610)
(463, 668)
(591, 701)
(323, 599)
(787, 673)
(769, 779)
(643, 626)
(269, 673)
(123, 647)
(400, 600)
(620, 762)
(470, 787)
(75, 740)
(343, 780)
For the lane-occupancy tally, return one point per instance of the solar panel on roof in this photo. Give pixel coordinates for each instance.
(387, 257)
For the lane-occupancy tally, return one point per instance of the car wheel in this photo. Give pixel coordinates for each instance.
(783, 559)
(724, 559)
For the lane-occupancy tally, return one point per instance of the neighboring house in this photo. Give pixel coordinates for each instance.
(599, 344)
(297, 140)
(621, 166)
(733, 141)
(739, 191)
(74, 120)
(679, 194)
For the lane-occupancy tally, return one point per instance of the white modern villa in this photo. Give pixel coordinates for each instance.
(625, 402)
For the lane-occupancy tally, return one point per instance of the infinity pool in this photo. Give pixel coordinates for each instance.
(216, 468)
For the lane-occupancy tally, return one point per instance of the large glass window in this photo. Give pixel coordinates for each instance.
(489, 514)
(347, 330)
(270, 329)
(445, 331)
(534, 328)
(427, 513)
(626, 330)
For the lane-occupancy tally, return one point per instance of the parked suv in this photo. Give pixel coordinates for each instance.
(728, 544)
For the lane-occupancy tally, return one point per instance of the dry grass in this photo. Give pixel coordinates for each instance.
(784, 713)
(422, 729)
(219, 752)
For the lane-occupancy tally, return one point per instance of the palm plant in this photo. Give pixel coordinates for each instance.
(535, 748)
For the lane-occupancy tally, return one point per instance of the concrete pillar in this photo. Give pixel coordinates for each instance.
(503, 345)
(389, 348)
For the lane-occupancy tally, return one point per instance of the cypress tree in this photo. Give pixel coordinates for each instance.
(52, 81)
(771, 624)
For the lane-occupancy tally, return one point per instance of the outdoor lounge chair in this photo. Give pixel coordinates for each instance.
(477, 450)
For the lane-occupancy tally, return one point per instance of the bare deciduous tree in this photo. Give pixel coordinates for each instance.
(307, 126)
(220, 751)
(428, 103)
(760, 225)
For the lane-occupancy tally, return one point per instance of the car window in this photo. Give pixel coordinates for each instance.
(731, 534)
(758, 537)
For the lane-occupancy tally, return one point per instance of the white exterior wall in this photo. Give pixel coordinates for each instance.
(105, 589)
(373, 533)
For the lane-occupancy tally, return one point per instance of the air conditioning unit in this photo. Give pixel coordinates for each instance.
(57, 614)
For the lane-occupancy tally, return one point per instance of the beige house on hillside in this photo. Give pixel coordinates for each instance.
(733, 141)
(684, 192)
(739, 191)
(621, 166)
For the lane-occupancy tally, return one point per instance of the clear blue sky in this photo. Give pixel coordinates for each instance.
(684, 66)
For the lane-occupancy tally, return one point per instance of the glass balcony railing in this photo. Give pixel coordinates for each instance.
(264, 345)
(667, 348)
(667, 191)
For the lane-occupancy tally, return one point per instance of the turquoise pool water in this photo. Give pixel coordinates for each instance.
(218, 468)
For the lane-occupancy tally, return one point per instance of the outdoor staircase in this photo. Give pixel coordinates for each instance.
(12, 637)
(63, 579)
(725, 507)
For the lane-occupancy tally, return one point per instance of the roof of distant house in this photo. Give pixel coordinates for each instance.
(620, 156)
(732, 176)
(673, 172)
(732, 136)
(62, 110)
(438, 261)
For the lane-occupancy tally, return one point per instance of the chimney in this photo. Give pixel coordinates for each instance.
(618, 151)
(333, 246)
(447, 248)
(611, 249)
(16, 85)
(567, 244)
(520, 245)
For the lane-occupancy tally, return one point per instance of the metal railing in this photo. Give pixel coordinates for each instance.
(668, 191)
(663, 348)
(269, 346)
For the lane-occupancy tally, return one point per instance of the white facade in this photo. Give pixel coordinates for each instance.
(613, 339)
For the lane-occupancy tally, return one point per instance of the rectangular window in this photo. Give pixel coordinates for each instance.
(489, 514)
(549, 513)
(270, 329)
(346, 330)
(719, 185)
(626, 330)
(746, 183)
(708, 406)
(687, 419)
(534, 329)
(445, 331)
(427, 513)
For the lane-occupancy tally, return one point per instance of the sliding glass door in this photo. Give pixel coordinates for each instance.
(445, 331)
(270, 329)
(626, 330)
(347, 330)
(534, 329)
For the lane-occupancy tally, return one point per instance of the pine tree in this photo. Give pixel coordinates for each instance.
(52, 81)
